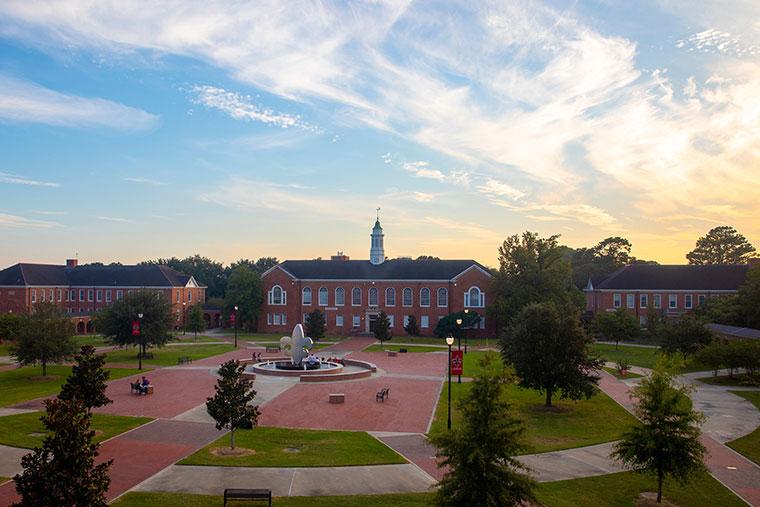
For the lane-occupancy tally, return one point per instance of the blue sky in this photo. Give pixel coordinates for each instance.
(137, 130)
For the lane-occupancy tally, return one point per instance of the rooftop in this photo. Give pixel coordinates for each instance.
(714, 277)
(396, 269)
(92, 276)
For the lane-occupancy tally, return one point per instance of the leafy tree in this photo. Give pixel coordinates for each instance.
(382, 328)
(45, 337)
(427, 258)
(666, 440)
(315, 325)
(411, 327)
(244, 290)
(749, 298)
(726, 309)
(10, 326)
(721, 245)
(602, 259)
(264, 264)
(480, 454)
(447, 326)
(618, 325)
(230, 406)
(531, 269)
(62, 471)
(686, 335)
(195, 322)
(115, 321)
(204, 270)
(550, 352)
(87, 382)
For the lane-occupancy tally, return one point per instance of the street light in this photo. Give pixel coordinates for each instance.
(236, 308)
(142, 343)
(449, 342)
(183, 317)
(459, 344)
(466, 314)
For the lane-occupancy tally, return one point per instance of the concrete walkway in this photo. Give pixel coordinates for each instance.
(315, 481)
(572, 463)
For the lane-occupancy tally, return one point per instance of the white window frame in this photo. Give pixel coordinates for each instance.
(326, 302)
(304, 300)
(81, 294)
(60, 295)
(354, 292)
(390, 291)
(51, 296)
(34, 295)
(617, 300)
(269, 319)
(424, 290)
(406, 320)
(272, 301)
(190, 296)
(391, 320)
(445, 291)
(339, 321)
(630, 300)
(482, 322)
(410, 292)
(643, 300)
(657, 301)
(688, 301)
(72, 295)
(108, 295)
(356, 321)
(701, 298)
(284, 319)
(672, 301)
(370, 292)
(480, 303)
(424, 322)
(42, 296)
(340, 301)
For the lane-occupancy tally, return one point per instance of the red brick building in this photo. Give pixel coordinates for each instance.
(83, 290)
(673, 290)
(351, 293)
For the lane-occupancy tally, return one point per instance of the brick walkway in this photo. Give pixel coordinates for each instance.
(412, 363)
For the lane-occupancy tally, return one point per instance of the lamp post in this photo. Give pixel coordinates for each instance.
(142, 344)
(183, 318)
(236, 309)
(459, 344)
(466, 315)
(449, 342)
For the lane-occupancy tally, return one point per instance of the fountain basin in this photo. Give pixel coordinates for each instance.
(284, 368)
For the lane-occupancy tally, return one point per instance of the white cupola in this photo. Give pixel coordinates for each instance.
(377, 250)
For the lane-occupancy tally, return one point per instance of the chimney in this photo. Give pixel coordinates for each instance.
(339, 257)
(72, 263)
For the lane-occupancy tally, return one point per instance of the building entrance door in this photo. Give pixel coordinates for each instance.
(371, 322)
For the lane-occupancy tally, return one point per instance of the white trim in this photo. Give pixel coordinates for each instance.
(703, 291)
(430, 296)
(265, 273)
(335, 295)
(475, 266)
(411, 297)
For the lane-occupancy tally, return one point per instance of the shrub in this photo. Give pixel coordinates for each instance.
(686, 335)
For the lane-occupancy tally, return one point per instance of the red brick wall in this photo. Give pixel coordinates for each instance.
(294, 309)
(600, 301)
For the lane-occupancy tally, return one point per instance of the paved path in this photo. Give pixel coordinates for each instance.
(316, 481)
(572, 463)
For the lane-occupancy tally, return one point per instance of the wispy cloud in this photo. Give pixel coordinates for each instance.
(240, 107)
(119, 220)
(22, 180)
(19, 222)
(26, 102)
(716, 41)
(500, 189)
(144, 181)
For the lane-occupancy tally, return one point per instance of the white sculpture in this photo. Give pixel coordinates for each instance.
(297, 346)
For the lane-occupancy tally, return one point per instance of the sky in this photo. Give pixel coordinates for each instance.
(137, 130)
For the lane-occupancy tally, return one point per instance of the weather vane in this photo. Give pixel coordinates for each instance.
(378, 214)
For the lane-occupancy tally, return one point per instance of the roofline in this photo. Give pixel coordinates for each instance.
(368, 280)
(94, 286)
(474, 265)
(265, 273)
(727, 291)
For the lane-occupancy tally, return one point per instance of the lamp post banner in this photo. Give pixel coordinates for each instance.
(232, 319)
(457, 362)
(135, 328)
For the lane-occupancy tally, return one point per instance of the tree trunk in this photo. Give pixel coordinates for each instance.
(549, 393)
(44, 368)
(232, 438)
(616, 344)
(659, 486)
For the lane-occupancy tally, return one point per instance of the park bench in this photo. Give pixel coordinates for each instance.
(382, 394)
(137, 388)
(273, 349)
(402, 351)
(184, 360)
(337, 398)
(248, 494)
(392, 353)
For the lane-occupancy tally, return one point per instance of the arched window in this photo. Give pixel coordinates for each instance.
(340, 296)
(276, 296)
(306, 296)
(373, 296)
(356, 296)
(443, 297)
(406, 297)
(390, 296)
(323, 296)
(474, 298)
(424, 296)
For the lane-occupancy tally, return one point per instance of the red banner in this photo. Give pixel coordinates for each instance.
(457, 362)
(232, 319)
(135, 328)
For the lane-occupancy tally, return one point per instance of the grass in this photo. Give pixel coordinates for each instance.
(5, 348)
(432, 340)
(409, 348)
(622, 489)
(315, 448)
(190, 338)
(274, 337)
(739, 380)
(96, 340)
(23, 384)
(644, 357)
(616, 373)
(167, 356)
(748, 445)
(187, 500)
(573, 424)
(3, 480)
(26, 430)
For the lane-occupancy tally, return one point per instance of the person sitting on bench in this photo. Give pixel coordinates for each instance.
(145, 384)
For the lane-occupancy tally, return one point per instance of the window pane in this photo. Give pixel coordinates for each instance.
(307, 295)
(443, 297)
(373, 296)
(323, 296)
(407, 295)
(356, 296)
(425, 297)
(390, 296)
(340, 296)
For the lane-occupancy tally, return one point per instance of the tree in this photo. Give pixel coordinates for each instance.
(10, 326)
(229, 406)
(550, 352)
(45, 337)
(480, 454)
(315, 325)
(382, 328)
(411, 327)
(531, 269)
(726, 309)
(618, 325)
(749, 298)
(62, 471)
(244, 290)
(87, 382)
(115, 321)
(447, 326)
(602, 259)
(204, 270)
(686, 335)
(666, 440)
(195, 322)
(721, 245)
(427, 258)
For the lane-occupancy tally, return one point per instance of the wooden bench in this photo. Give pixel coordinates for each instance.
(382, 394)
(392, 353)
(138, 388)
(184, 360)
(248, 494)
(273, 349)
(337, 398)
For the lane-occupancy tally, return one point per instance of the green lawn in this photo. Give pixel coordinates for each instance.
(735, 381)
(274, 337)
(622, 489)
(5, 348)
(26, 430)
(748, 445)
(575, 424)
(617, 374)
(23, 384)
(433, 340)
(167, 356)
(639, 356)
(285, 447)
(190, 338)
(96, 340)
(409, 348)
(186, 500)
